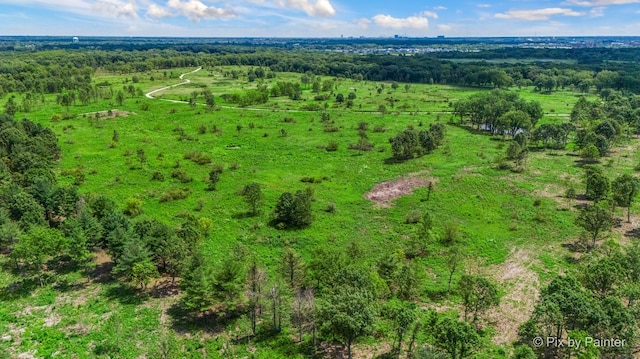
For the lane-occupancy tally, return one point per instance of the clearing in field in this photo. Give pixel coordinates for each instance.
(383, 193)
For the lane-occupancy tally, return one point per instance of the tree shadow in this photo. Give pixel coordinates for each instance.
(210, 322)
(62, 265)
(64, 286)
(21, 288)
(126, 294)
(395, 161)
(634, 233)
(164, 288)
(388, 355)
(102, 273)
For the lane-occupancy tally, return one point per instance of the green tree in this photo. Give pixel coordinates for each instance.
(602, 276)
(214, 177)
(478, 294)
(197, 284)
(11, 107)
(402, 316)
(596, 182)
(347, 311)
(36, 246)
(120, 98)
(135, 264)
(595, 220)
(252, 194)
(79, 250)
(455, 337)
(625, 189)
(293, 210)
(228, 280)
(292, 268)
(454, 260)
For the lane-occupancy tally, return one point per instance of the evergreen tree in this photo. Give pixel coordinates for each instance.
(135, 264)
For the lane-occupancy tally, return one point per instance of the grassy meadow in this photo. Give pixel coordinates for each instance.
(504, 219)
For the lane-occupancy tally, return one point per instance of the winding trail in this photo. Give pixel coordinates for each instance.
(186, 81)
(150, 94)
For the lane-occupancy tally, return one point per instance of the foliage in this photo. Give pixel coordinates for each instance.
(253, 196)
(293, 210)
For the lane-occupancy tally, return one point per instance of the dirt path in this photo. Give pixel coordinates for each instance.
(150, 94)
(522, 288)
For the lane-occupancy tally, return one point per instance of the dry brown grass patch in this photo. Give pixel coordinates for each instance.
(383, 193)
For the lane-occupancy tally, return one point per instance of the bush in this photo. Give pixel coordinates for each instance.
(332, 146)
(379, 128)
(293, 211)
(571, 193)
(308, 179)
(198, 157)
(133, 207)
(175, 194)
(331, 208)
(181, 175)
(331, 128)
(157, 176)
(413, 217)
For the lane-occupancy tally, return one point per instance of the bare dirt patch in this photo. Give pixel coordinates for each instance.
(383, 193)
(109, 114)
(522, 288)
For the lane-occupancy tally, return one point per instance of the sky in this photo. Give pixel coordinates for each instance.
(319, 18)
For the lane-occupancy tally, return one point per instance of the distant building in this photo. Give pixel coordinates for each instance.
(75, 40)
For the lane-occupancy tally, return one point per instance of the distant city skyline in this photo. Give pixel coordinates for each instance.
(319, 18)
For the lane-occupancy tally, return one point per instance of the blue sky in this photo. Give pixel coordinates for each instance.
(319, 18)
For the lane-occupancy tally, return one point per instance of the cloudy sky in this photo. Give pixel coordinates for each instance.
(319, 18)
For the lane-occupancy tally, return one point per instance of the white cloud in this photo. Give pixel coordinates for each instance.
(439, 8)
(363, 23)
(411, 22)
(484, 6)
(537, 15)
(322, 8)
(195, 10)
(445, 27)
(118, 8)
(600, 2)
(430, 14)
(598, 11)
(156, 12)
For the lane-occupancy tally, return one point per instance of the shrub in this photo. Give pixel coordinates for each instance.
(331, 128)
(293, 210)
(181, 175)
(413, 217)
(133, 207)
(157, 176)
(331, 208)
(332, 146)
(175, 194)
(379, 128)
(198, 157)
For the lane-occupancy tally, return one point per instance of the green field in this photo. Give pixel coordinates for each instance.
(514, 227)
